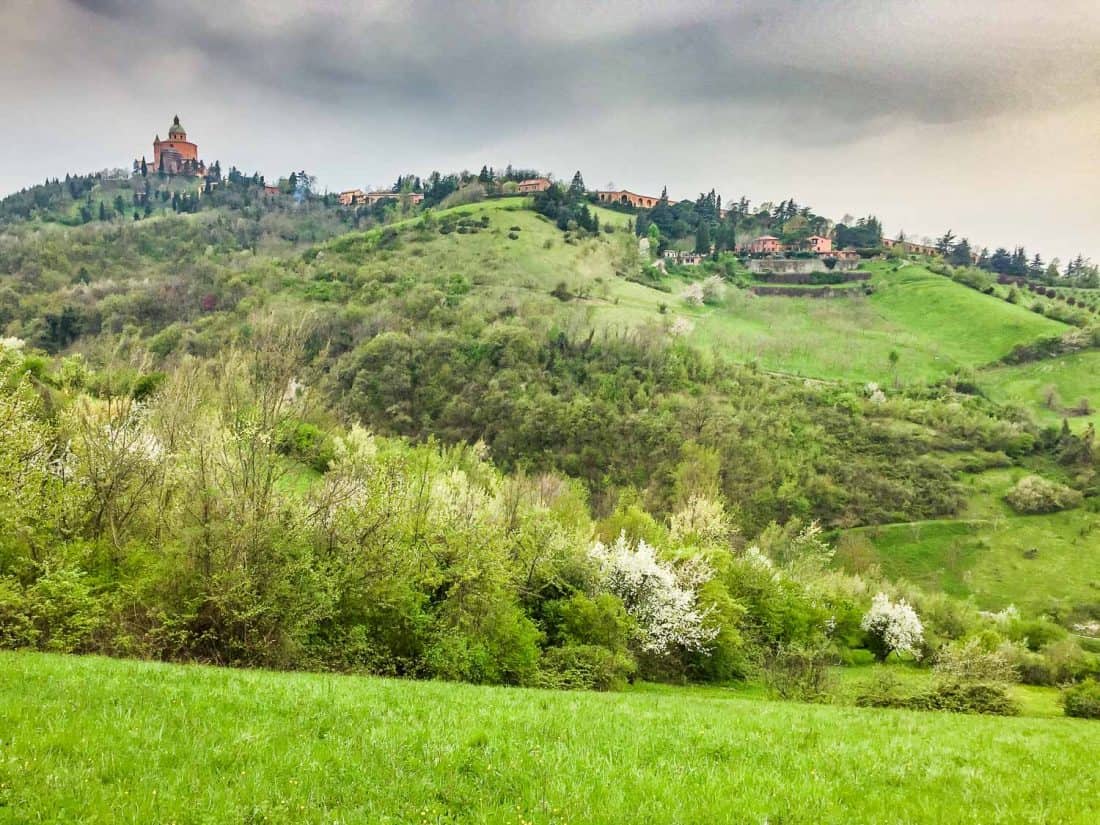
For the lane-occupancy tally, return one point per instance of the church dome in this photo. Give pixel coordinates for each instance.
(177, 130)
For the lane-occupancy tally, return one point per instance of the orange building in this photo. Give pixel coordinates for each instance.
(910, 247)
(371, 198)
(819, 244)
(765, 245)
(177, 155)
(625, 198)
(532, 185)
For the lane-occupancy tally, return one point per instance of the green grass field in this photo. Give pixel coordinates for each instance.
(92, 740)
(985, 554)
(1074, 377)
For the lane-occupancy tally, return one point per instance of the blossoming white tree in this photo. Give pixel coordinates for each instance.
(661, 598)
(892, 627)
(693, 294)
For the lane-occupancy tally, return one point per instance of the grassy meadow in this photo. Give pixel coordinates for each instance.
(991, 553)
(935, 325)
(1073, 377)
(92, 740)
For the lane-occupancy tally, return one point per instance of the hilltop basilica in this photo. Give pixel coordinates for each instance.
(175, 156)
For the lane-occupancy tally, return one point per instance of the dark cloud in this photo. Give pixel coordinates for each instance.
(838, 61)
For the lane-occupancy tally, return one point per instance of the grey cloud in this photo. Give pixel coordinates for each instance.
(470, 64)
(851, 105)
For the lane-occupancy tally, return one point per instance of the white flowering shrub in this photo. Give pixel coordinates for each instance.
(1034, 494)
(702, 520)
(892, 627)
(660, 597)
(681, 326)
(714, 290)
(693, 295)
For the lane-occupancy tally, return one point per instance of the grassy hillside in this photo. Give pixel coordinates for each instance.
(992, 554)
(935, 325)
(1073, 378)
(124, 742)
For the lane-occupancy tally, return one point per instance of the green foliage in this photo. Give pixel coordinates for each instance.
(1082, 700)
(1034, 494)
(585, 667)
(305, 442)
(798, 672)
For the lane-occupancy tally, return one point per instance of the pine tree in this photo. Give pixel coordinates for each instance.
(702, 238)
(577, 189)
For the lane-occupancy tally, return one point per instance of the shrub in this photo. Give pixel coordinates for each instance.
(883, 691)
(971, 697)
(584, 667)
(59, 612)
(800, 672)
(1034, 494)
(972, 662)
(892, 628)
(306, 443)
(1082, 700)
(661, 598)
(992, 698)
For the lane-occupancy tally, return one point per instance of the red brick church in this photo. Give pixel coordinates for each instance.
(177, 155)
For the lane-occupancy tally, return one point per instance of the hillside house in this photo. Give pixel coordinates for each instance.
(910, 247)
(533, 185)
(819, 244)
(371, 198)
(675, 256)
(765, 245)
(626, 198)
(351, 197)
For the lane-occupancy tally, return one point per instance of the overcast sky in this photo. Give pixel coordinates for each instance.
(981, 116)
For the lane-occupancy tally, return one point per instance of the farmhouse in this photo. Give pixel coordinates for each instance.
(626, 198)
(765, 245)
(910, 247)
(532, 185)
(371, 198)
(351, 197)
(674, 256)
(819, 244)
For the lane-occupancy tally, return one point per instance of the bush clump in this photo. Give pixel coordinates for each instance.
(584, 667)
(1082, 700)
(1034, 494)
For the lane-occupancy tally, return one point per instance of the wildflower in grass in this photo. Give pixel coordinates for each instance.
(892, 627)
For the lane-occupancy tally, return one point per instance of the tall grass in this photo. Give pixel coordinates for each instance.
(97, 741)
